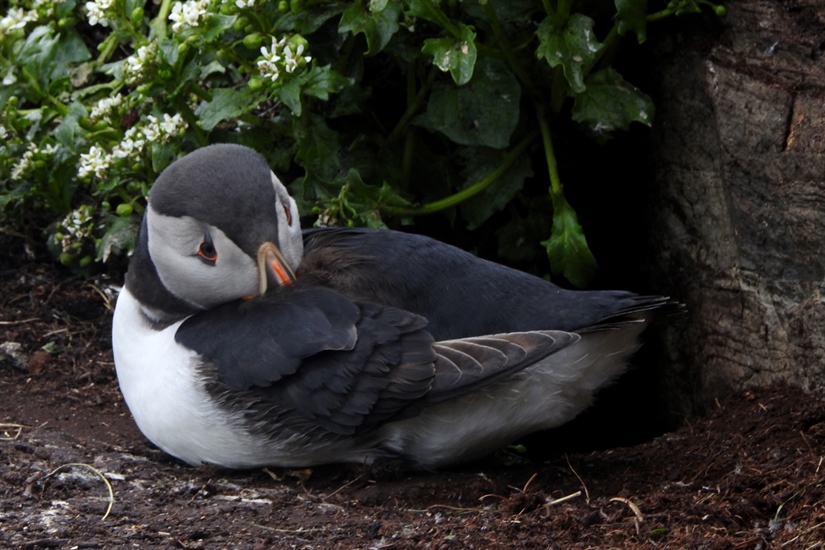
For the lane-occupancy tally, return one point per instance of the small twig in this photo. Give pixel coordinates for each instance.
(529, 481)
(299, 531)
(492, 495)
(638, 513)
(99, 474)
(18, 433)
(563, 499)
(19, 322)
(341, 488)
(803, 533)
(272, 474)
(107, 299)
(586, 492)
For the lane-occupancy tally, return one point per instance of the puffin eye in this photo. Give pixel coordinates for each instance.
(288, 214)
(206, 250)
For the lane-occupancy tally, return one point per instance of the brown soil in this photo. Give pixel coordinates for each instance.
(750, 475)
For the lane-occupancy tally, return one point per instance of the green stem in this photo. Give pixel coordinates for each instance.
(468, 192)
(441, 19)
(608, 44)
(563, 9)
(108, 48)
(548, 9)
(549, 154)
(412, 107)
(61, 109)
(656, 16)
(159, 24)
(509, 57)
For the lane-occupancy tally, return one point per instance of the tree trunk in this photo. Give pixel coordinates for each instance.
(739, 199)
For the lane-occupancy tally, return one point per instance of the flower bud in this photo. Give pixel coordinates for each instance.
(240, 23)
(136, 16)
(253, 41)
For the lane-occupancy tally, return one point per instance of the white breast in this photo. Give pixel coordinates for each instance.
(159, 381)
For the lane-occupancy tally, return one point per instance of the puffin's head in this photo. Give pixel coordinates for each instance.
(219, 226)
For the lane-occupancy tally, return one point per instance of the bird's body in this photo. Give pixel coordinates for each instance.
(381, 343)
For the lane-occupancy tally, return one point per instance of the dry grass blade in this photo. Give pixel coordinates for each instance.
(631, 505)
(18, 431)
(98, 473)
(563, 499)
(19, 321)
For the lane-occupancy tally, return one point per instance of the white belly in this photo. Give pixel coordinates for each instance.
(158, 381)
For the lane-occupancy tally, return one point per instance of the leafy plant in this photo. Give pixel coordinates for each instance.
(377, 111)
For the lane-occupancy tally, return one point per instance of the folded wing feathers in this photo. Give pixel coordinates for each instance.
(465, 365)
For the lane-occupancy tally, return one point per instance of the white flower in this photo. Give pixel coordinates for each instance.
(76, 226)
(152, 130)
(189, 13)
(135, 65)
(2, 132)
(268, 65)
(131, 146)
(280, 56)
(244, 3)
(155, 130)
(10, 77)
(94, 162)
(49, 150)
(19, 170)
(16, 18)
(97, 12)
(105, 107)
(291, 60)
(173, 125)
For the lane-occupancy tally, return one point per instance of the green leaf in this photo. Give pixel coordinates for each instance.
(216, 24)
(611, 103)
(323, 81)
(317, 152)
(567, 247)
(214, 67)
(378, 23)
(480, 161)
(373, 195)
(226, 104)
(162, 155)
(518, 238)
(310, 18)
(119, 237)
(484, 111)
(70, 49)
(455, 55)
(631, 15)
(572, 45)
(169, 52)
(69, 132)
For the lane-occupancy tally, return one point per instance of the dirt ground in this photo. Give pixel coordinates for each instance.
(750, 475)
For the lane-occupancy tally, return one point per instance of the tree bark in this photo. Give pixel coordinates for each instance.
(739, 200)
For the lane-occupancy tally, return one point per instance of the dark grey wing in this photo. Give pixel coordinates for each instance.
(259, 342)
(314, 356)
(459, 294)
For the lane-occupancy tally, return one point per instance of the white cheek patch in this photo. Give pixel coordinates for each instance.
(173, 245)
(290, 238)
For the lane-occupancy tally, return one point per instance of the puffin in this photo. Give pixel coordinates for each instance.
(242, 340)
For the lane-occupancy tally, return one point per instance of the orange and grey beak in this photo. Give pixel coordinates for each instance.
(272, 268)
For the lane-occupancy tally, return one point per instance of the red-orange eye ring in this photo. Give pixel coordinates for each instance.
(288, 213)
(207, 251)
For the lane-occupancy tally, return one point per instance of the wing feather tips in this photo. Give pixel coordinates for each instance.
(466, 365)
